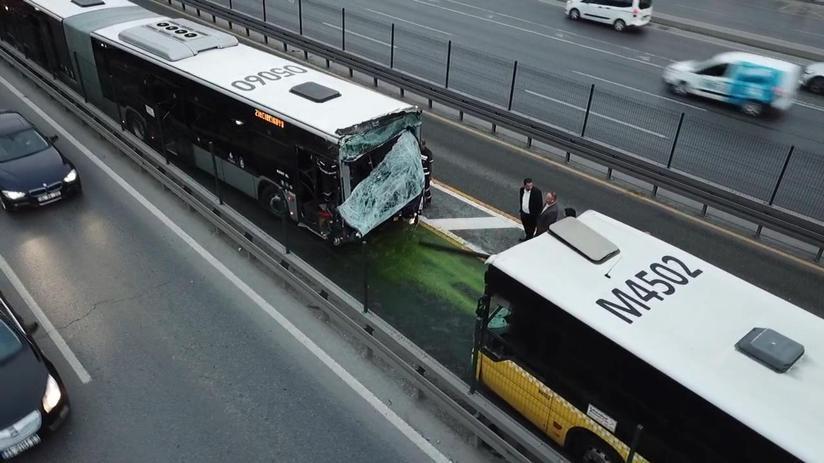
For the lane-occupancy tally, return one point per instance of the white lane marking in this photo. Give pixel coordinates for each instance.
(475, 204)
(529, 31)
(472, 223)
(809, 106)
(408, 22)
(360, 35)
(55, 336)
(611, 119)
(637, 90)
(293, 330)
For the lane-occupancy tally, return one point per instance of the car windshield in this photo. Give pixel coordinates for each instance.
(9, 343)
(22, 143)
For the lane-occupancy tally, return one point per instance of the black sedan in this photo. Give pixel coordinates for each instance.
(32, 171)
(33, 400)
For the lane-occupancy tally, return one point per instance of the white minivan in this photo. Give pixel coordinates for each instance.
(620, 14)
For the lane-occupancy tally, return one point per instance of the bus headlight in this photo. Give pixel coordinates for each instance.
(52, 395)
(71, 176)
(13, 194)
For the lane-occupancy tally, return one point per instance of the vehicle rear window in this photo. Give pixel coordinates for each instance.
(9, 343)
(22, 143)
(644, 4)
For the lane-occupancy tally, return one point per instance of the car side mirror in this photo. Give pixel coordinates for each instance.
(32, 327)
(53, 139)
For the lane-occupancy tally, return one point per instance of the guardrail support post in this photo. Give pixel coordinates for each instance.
(365, 277)
(589, 105)
(392, 48)
(672, 149)
(214, 168)
(778, 184)
(448, 62)
(300, 17)
(512, 86)
(343, 29)
(80, 77)
(231, 8)
(635, 438)
(263, 4)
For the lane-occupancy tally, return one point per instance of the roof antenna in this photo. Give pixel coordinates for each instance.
(613, 266)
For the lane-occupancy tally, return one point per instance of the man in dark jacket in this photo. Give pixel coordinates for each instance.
(549, 214)
(530, 202)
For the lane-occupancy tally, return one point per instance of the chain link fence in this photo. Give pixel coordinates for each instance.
(772, 172)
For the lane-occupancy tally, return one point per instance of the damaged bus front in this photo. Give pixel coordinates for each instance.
(381, 174)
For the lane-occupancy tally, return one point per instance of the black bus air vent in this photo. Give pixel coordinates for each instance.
(315, 92)
(770, 348)
(86, 3)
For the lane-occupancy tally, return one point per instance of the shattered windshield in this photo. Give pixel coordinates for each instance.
(391, 185)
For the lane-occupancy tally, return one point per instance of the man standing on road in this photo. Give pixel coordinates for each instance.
(530, 200)
(426, 160)
(549, 214)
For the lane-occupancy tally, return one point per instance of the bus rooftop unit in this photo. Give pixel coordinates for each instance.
(602, 335)
(336, 157)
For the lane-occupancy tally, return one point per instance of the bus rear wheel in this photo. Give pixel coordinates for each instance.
(272, 198)
(588, 448)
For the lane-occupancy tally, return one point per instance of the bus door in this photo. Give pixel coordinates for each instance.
(307, 187)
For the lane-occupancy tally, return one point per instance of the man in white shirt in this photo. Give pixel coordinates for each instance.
(531, 203)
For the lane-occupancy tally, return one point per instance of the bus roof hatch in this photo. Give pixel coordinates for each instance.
(174, 40)
(584, 240)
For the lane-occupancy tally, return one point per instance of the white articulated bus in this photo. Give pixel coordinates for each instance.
(595, 328)
(334, 156)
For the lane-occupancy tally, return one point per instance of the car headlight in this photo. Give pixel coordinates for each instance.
(52, 395)
(71, 176)
(13, 194)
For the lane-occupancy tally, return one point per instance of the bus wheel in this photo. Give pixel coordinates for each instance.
(135, 125)
(272, 198)
(590, 449)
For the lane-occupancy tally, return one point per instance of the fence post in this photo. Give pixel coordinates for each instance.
(263, 3)
(343, 29)
(230, 8)
(512, 87)
(589, 105)
(672, 149)
(635, 438)
(214, 167)
(80, 78)
(300, 17)
(365, 277)
(392, 48)
(448, 62)
(778, 184)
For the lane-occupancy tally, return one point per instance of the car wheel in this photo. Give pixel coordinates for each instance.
(752, 108)
(816, 85)
(6, 207)
(272, 198)
(574, 14)
(679, 88)
(619, 25)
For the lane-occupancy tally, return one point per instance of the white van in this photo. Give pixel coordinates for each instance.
(813, 78)
(754, 83)
(618, 13)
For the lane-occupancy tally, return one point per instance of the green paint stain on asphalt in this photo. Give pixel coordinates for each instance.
(400, 258)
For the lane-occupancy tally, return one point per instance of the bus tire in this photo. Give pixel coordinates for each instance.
(271, 197)
(136, 125)
(586, 447)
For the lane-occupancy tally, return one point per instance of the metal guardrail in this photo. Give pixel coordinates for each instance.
(762, 214)
(448, 392)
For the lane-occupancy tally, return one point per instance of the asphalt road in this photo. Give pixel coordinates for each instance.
(799, 21)
(184, 365)
(558, 61)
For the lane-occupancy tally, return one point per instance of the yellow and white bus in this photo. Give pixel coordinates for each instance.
(617, 345)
